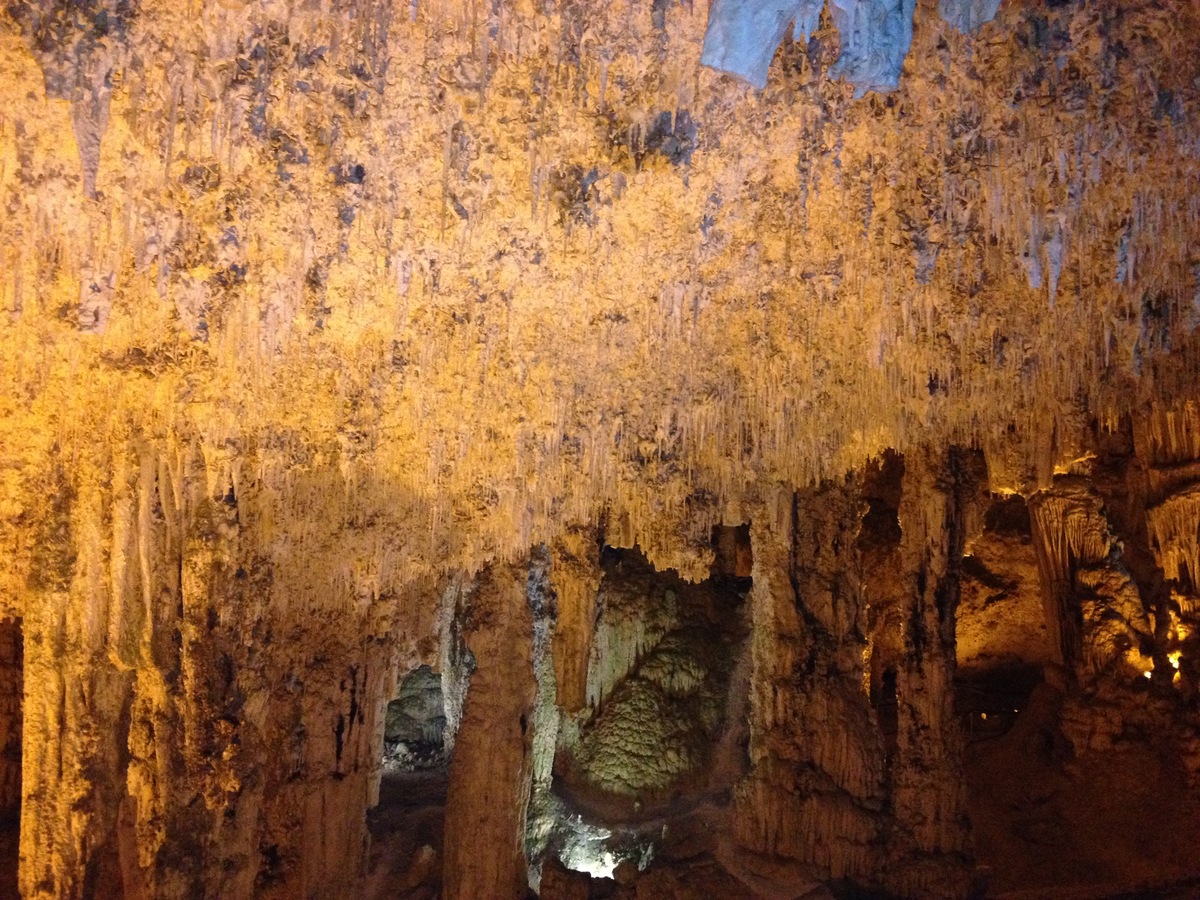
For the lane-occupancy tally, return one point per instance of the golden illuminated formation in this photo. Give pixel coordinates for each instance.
(462, 447)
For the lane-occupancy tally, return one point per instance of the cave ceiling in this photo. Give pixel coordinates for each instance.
(476, 272)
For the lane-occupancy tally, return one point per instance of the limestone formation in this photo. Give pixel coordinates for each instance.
(462, 448)
(492, 766)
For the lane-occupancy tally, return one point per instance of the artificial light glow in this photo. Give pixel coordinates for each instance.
(592, 849)
(597, 863)
(1066, 468)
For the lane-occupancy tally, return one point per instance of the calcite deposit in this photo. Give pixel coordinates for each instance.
(752, 449)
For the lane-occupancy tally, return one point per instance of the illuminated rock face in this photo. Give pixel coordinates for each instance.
(318, 320)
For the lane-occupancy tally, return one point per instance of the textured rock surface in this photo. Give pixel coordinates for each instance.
(1001, 613)
(660, 679)
(310, 313)
(876, 35)
(346, 256)
(418, 714)
(836, 772)
(575, 575)
(742, 36)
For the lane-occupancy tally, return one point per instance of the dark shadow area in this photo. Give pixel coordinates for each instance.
(1081, 791)
(11, 696)
(1008, 517)
(1050, 822)
(406, 836)
(406, 825)
(988, 702)
(887, 708)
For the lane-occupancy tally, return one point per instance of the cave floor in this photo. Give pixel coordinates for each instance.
(1107, 826)
(1187, 889)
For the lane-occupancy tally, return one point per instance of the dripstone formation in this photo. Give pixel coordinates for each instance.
(473, 449)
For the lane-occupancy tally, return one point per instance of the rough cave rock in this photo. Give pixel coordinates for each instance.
(467, 449)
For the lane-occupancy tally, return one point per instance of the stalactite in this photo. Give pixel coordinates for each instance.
(575, 575)
(1175, 531)
(258, 341)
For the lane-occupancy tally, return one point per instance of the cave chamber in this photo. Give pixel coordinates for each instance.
(649, 450)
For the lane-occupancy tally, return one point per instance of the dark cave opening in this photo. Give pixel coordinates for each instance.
(989, 702)
(887, 708)
(406, 824)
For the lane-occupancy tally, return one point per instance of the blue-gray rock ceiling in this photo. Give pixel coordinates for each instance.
(743, 35)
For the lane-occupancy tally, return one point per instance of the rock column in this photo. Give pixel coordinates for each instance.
(491, 770)
(814, 794)
(928, 797)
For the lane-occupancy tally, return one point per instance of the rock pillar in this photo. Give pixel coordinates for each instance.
(491, 770)
(813, 795)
